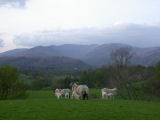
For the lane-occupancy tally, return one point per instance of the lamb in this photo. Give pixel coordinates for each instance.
(58, 93)
(108, 93)
(62, 93)
(66, 93)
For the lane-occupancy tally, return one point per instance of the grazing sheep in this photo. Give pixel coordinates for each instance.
(108, 93)
(81, 90)
(62, 93)
(66, 92)
(58, 93)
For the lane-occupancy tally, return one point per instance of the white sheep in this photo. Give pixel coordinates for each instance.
(62, 93)
(58, 93)
(80, 90)
(108, 93)
(66, 93)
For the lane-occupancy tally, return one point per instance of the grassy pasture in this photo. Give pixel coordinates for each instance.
(42, 105)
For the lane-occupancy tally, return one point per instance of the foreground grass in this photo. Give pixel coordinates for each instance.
(42, 105)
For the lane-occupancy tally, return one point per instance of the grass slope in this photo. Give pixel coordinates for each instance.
(42, 105)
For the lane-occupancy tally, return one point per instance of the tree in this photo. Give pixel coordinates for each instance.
(123, 75)
(122, 56)
(10, 86)
(121, 59)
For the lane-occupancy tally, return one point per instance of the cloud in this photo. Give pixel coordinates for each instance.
(13, 3)
(133, 34)
(1, 43)
(52, 37)
(68, 14)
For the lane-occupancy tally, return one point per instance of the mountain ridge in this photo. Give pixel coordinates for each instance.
(95, 55)
(53, 62)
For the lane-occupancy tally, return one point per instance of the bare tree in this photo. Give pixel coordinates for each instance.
(122, 56)
(121, 74)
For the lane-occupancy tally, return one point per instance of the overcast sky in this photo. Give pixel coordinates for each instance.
(28, 23)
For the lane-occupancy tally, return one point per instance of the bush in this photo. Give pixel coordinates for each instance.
(10, 86)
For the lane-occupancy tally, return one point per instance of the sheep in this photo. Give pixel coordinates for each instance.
(81, 90)
(66, 93)
(108, 93)
(58, 93)
(62, 93)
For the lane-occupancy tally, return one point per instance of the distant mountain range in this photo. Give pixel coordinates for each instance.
(95, 55)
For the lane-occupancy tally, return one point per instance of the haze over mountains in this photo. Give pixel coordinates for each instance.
(95, 55)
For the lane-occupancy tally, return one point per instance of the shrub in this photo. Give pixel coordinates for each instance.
(10, 86)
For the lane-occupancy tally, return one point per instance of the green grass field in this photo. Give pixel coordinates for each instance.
(42, 105)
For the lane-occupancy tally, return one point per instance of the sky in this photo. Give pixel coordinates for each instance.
(29, 23)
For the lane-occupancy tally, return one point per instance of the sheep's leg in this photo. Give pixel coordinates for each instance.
(72, 95)
(87, 96)
(102, 96)
(58, 96)
(84, 96)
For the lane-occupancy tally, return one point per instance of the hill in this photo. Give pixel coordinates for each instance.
(13, 52)
(53, 62)
(69, 50)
